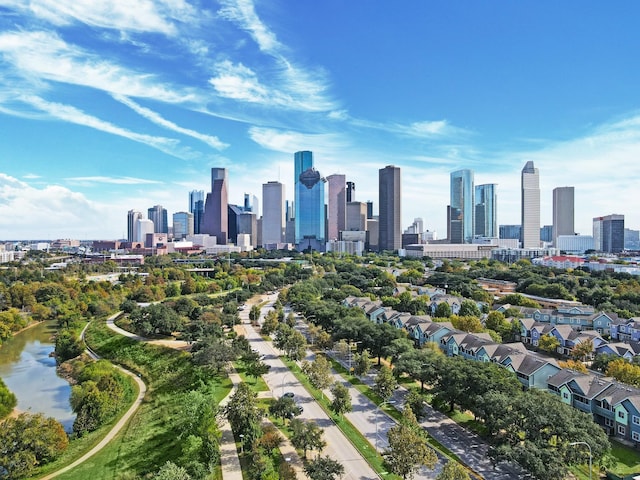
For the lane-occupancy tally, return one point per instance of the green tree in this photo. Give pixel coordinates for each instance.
(68, 345)
(319, 372)
(583, 350)
(323, 468)
(453, 471)
(443, 310)
(341, 403)
(408, 447)
(244, 414)
(30, 440)
(306, 436)
(171, 471)
(254, 314)
(497, 322)
(8, 400)
(361, 363)
(548, 343)
(284, 408)
(385, 383)
(469, 308)
(467, 323)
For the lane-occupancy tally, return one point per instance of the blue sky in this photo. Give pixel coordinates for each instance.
(105, 108)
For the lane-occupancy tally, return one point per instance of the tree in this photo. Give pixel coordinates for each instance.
(270, 323)
(385, 383)
(319, 372)
(284, 407)
(361, 363)
(68, 345)
(408, 447)
(8, 400)
(573, 365)
(171, 471)
(497, 322)
(256, 369)
(306, 436)
(213, 353)
(469, 308)
(244, 415)
(254, 314)
(323, 468)
(30, 440)
(443, 310)
(624, 372)
(583, 350)
(548, 343)
(416, 402)
(341, 403)
(453, 471)
(467, 323)
(286, 472)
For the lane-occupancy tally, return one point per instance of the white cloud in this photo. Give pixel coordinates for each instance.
(148, 16)
(46, 56)
(74, 115)
(290, 141)
(243, 13)
(112, 180)
(156, 118)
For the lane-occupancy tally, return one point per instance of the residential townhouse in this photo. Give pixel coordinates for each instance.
(624, 350)
(626, 330)
(580, 318)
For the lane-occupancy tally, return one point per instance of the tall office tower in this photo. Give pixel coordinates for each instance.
(309, 203)
(273, 213)
(356, 217)
(461, 226)
(486, 205)
(182, 224)
(563, 212)
(351, 192)
(143, 228)
(215, 221)
(631, 239)
(247, 202)
(158, 215)
(417, 227)
(198, 216)
(389, 228)
(132, 227)
(546, 233)
(530, 206)
(608, 233)
(337, 206)
(369, 209)
(513, 232)
(195, 196)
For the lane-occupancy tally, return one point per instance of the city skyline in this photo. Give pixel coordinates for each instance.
(105, 109)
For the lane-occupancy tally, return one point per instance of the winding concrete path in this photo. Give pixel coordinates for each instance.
(142, 390)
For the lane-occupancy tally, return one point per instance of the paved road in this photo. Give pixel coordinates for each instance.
(280, 380)
(142, 389)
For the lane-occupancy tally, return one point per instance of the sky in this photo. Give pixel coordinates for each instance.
(106, 107)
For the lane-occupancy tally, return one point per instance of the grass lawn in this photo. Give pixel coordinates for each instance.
(150, 437)
(627, 459)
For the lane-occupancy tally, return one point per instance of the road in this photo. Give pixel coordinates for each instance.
(281, 380)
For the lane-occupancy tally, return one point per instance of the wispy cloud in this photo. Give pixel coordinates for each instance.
(148, 16)
(243, 13)
(31, 176)
(290, 141)
(46, 56)
(156, 118)
(112, 180)
(74, 115)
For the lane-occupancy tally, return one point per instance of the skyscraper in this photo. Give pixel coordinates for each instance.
(194, 197)
(182, 224)
(351, 192)
(132, 226)
(273, 213)
(563, 212)
(158, 215)
(389, 229)
(608, 233)
(196, 206)
(461, 226)
(530, 206)
(215, 221)
(486, 204)
(309, 203)
(337, 205)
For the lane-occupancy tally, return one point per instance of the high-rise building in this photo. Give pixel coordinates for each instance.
(351, 192)
(608, 233)
(510, 232)
(216, 219)
(337, 206)
(158, 215)
(198, 216)
(182, 224)
(461, 224)
(132, 226)
(369, 209)
(195, 196)
(563, 212)
(530, 206)
(546, 233)
(144, 227)
(389, 221)
(486, 204)
(631, 239)
(309, 203)
(273, 213)
(356, 217)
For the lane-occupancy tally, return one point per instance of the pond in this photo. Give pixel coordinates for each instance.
(29, 372)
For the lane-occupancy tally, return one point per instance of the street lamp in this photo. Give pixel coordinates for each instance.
(389, 402)
(241, 444)
(590, 455)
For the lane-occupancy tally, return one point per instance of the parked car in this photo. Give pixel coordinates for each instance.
(289, 394)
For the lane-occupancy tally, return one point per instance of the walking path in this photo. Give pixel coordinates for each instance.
(142, 390)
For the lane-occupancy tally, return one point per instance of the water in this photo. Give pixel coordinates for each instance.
(30, 373)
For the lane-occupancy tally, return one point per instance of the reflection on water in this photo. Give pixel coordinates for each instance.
(30, 373)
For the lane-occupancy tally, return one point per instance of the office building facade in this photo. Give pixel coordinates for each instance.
(158, 215)
(486, 215)
(530, 206)
(216, 218)
(336, 206)
(273, 213)
(461, 207)
(608, 233)
(182, 225)
(389, 218)
(132, 226)
(309, 203)
(563, 212)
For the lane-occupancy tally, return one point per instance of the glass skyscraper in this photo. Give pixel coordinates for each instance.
(461, 225)
(309, 203)
(486, 219)
(530, 206)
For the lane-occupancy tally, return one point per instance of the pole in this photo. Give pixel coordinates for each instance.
(590, 455)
